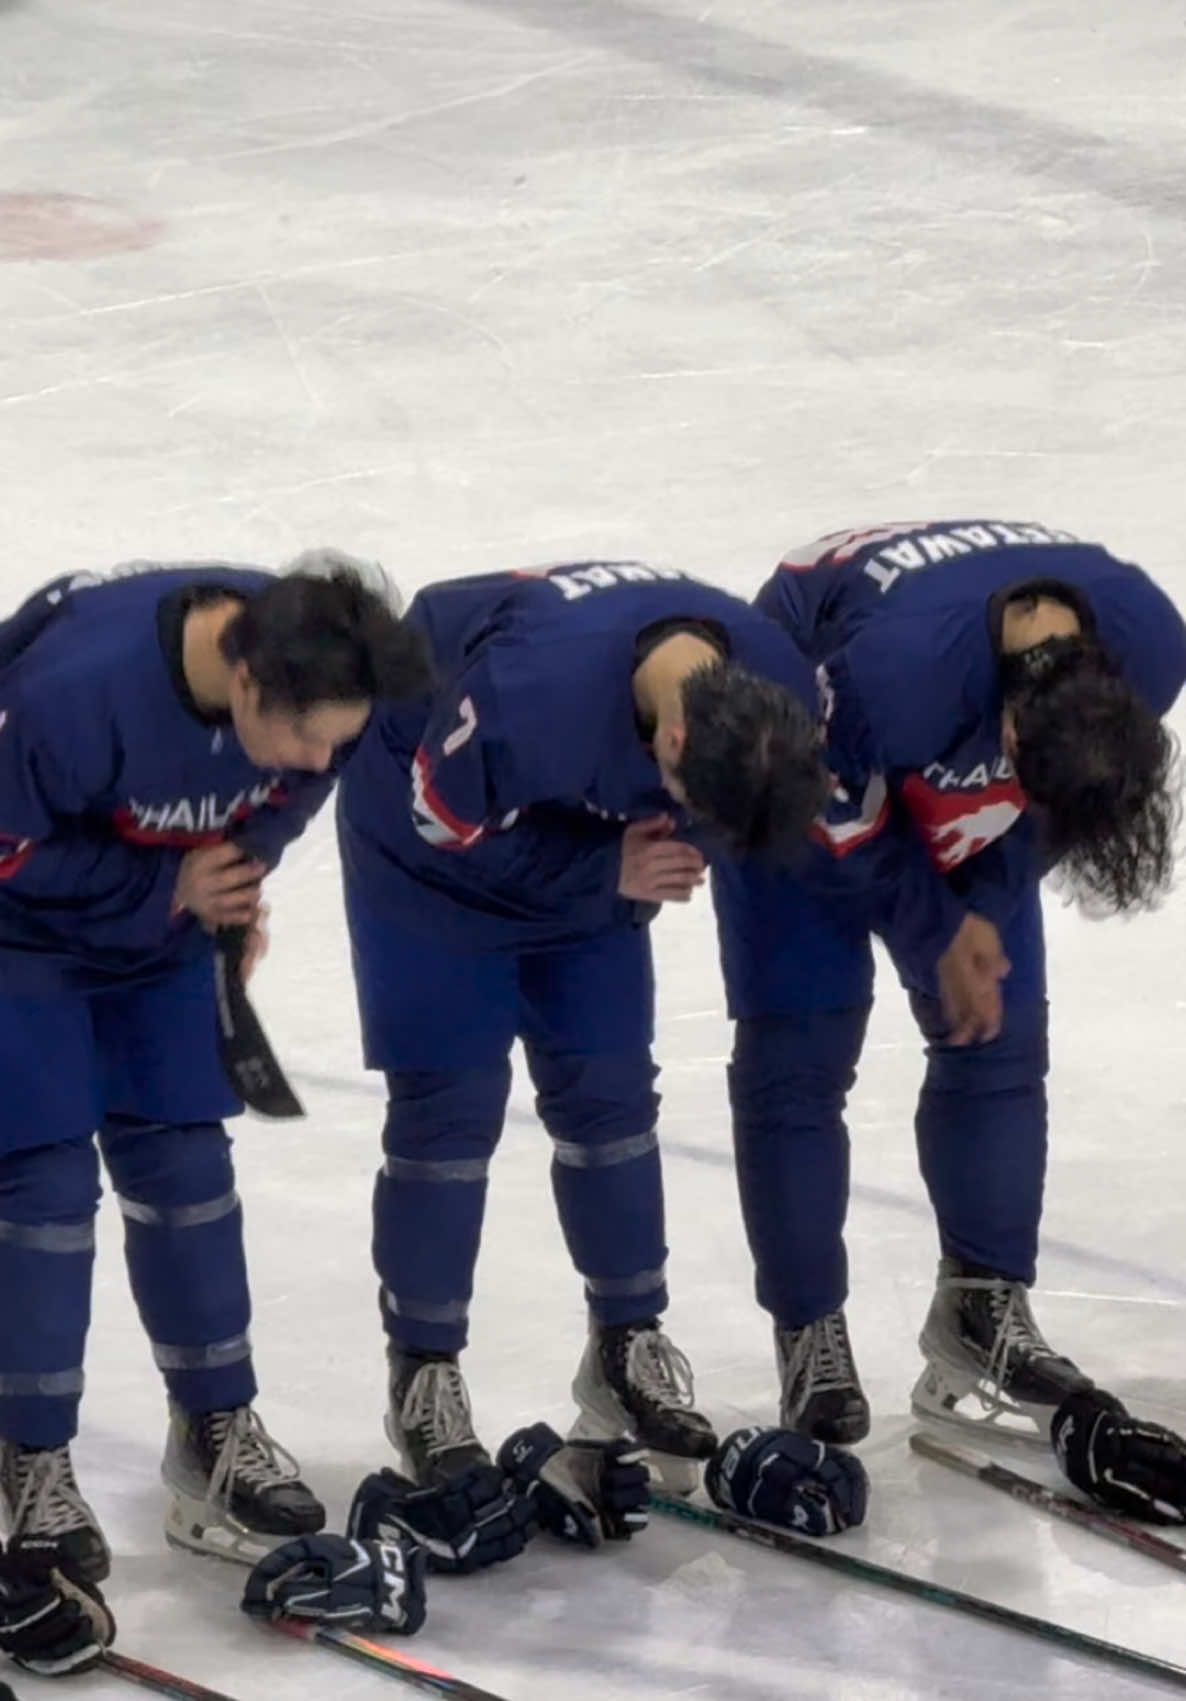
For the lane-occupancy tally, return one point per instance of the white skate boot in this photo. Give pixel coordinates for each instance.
(982, 1345)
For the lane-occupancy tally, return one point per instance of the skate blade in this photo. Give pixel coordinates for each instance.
(189, 1526)
(957, 1398)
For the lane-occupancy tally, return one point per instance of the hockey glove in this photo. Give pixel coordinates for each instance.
(788, 1479)
(582, 1491)
(1119, 1461)
(473, 1520)
(51, 1623)
(361, 1585)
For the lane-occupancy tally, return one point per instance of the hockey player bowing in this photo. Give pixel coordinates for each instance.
(503, 847)
(995, 694)
(163, 735)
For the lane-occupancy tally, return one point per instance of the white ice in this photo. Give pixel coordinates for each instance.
(467, 285)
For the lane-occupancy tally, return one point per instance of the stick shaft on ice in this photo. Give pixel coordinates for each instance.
(161, 1682)
(380, 1657)
(919, 1588)
(1092, 1518)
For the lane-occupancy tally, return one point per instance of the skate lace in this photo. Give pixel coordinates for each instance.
(821, 1351)
(245, 1454)
(437, 1409)
(1017, 1335)
(832, 1354)
(47, 1501)
(658, 1369)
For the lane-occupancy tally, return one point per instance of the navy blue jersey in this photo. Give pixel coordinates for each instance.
(505, 795)
(898, 619)
(108, 774)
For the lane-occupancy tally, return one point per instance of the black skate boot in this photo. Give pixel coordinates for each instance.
(44, 1512)
(633, 1382)
(980, 1339)
(429, 1421)
(821, 1391)
(234, 1492)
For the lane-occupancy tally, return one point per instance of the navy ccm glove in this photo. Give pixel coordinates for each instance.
(780, 1477)
(473, 1520)
(330, 1580)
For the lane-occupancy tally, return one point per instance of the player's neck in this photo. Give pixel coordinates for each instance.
(658, 681)
(1031, 621)
(207, 671)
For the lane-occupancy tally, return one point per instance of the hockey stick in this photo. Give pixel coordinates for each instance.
(864, 1570)
(382, 1658)
(163, 1682)
(1088, 1517)
(247, 1058)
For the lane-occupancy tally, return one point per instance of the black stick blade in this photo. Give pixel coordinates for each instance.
(247, 1059)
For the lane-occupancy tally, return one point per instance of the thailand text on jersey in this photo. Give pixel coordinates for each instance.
(109, 773)
(517, 776)
(897, 618)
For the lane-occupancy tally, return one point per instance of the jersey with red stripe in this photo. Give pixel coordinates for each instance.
(899, 620)
(107, 775)
(518, 775)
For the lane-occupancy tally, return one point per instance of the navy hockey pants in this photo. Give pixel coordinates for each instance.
(440, 1024)
(800, 978)
(139, 1066)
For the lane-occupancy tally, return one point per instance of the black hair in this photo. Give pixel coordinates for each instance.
(324, 635)
(1100, 770)
(752, 763)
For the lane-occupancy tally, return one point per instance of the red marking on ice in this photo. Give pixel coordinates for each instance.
(69, 227)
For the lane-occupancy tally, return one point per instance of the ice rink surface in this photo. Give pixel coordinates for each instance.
(468, 284)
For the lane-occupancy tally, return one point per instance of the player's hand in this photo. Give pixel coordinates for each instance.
(970, 974)
(220, 886)
(657, 869)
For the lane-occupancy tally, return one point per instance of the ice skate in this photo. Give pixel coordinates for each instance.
(632, 1381)
(429, 1420)
(982, 1345)
(234, 1492)
(44, 1513)
(821, 1391)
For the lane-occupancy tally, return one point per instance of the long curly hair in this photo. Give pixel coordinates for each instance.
(1100, 770)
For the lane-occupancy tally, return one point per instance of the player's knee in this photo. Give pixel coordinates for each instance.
(149, 1162)
(597, 1098)
(1017, 1059)
(795, 1067)
(58, 1183)
(445, 1115)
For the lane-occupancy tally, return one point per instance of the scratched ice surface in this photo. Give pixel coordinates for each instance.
(472, 284)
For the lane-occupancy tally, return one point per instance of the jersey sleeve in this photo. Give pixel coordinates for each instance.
(551, 864)
(463, 781)
(268, 831)
(482, 796)
(993, 882)
(1141, 629)
(867, 852)
(50, 848)
(866, 848)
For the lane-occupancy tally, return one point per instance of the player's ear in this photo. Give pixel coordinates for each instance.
(670, 740)
(244, 690)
